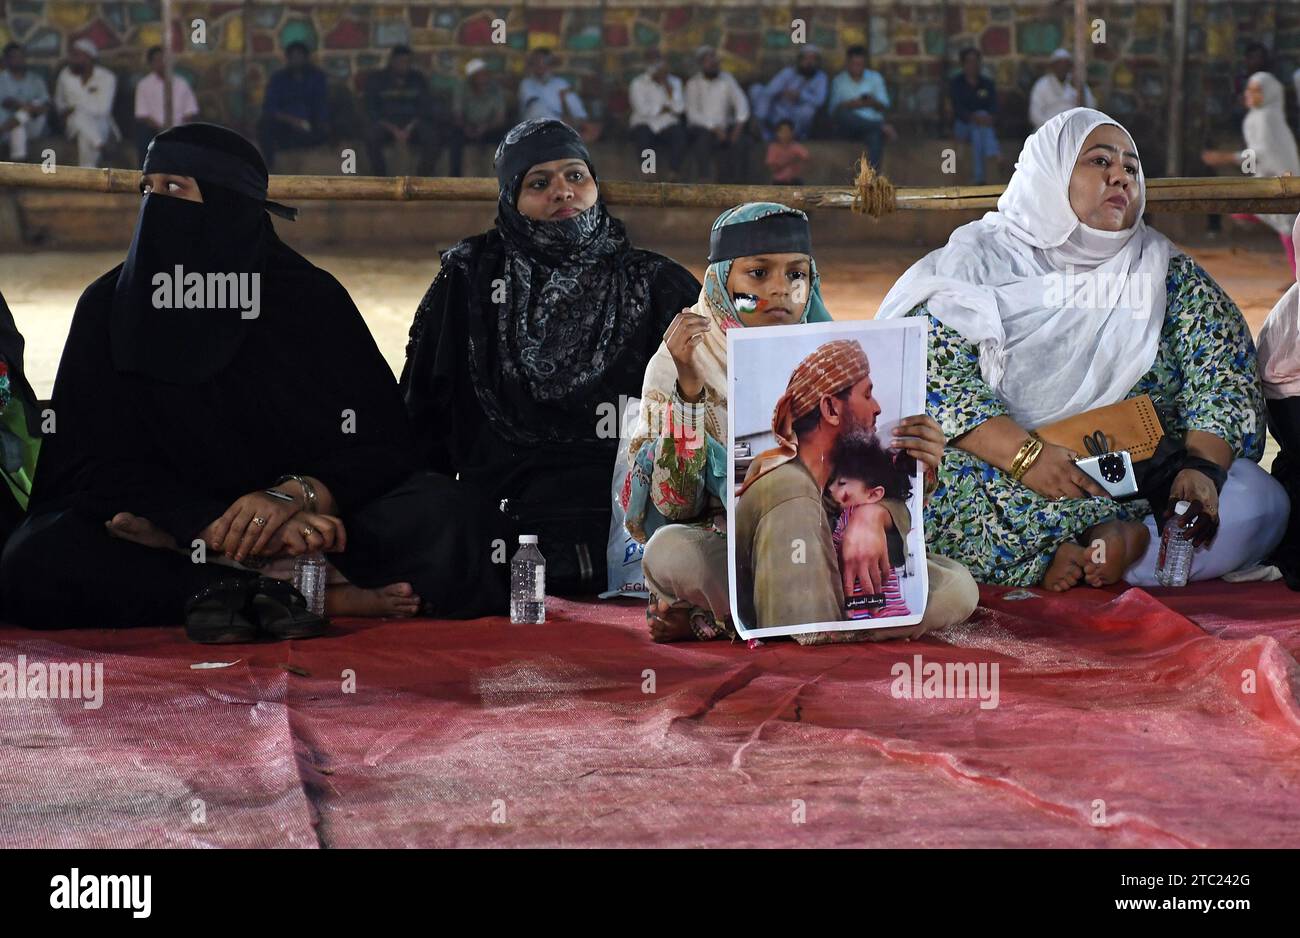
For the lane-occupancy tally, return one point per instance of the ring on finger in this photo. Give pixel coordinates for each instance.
(259, 521)
(308, 531)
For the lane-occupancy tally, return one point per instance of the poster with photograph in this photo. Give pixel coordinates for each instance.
(812, 479)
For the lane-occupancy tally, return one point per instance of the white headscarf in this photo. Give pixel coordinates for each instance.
(1266, 131)
(1066, 317)
(1268, 135)
(1279, 348)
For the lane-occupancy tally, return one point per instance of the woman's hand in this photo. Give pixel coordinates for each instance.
(1054, 475)
(308, 532)
(1202, 518)
(921, 438)
(684, 333)
(864, 552)
(248, 525)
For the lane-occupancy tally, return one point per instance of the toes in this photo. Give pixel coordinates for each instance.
(403, 590)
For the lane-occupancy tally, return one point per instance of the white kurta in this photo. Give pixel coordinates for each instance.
(149, 99)
(1051, 96)
(90, 122)
(653, 105)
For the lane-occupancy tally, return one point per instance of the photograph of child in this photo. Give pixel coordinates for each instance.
(811, 469)
(866, 474)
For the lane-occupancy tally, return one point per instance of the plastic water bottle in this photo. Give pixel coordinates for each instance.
(528, 583)
(1175, 550)
(309, 576)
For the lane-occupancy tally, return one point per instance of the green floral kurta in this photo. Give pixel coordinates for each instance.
(1205, 377)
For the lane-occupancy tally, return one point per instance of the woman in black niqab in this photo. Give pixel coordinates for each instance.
(173, 423)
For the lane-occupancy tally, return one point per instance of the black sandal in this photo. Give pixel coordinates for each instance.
(215, 614)
(281, 612)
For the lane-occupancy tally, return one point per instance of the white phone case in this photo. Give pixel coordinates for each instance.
(1112, 471)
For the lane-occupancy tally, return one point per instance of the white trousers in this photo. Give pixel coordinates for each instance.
(20, 134)
(91, 133)
(1253, 512)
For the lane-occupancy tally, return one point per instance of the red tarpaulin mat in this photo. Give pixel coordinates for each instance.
(1119, 722)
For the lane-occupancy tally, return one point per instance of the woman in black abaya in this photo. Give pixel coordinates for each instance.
(529, 342)
(261, 424)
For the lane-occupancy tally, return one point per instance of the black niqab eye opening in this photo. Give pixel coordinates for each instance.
(157, 329)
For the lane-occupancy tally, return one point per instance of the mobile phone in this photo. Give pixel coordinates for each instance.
(1112, 471)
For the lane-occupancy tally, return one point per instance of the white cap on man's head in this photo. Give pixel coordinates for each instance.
(1062, 54)
(87, 46)
(704, 51)
(474, 66)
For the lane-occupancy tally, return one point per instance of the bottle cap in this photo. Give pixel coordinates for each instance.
(1182, 507)
(528, 539)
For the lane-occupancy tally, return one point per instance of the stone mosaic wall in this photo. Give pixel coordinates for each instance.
(601, 45)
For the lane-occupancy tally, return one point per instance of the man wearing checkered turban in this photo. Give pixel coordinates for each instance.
(779, 510)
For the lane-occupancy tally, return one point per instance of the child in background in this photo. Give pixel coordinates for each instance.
(1272, 151)
(786, 157)
(865, 474)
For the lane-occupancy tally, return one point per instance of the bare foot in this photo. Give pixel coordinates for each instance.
(1113, 547)
(397, 600)
(139, 530)
(667, 623)
(1066, 569)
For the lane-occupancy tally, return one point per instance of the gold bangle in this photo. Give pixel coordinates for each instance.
(1020, 456)
(1024, 459)
(1027, 456)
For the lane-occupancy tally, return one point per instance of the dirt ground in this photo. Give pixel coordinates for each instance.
(42, 289)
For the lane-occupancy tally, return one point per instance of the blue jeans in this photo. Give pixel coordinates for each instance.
(855, 127)
(983, 144)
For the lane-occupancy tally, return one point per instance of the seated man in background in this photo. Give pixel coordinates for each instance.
(24, 101)
(657, 109)
(858, 102)
(478, 110)
(717, 112)
(295, 111)
(796, 94)
(1054, 93)
(974, 104)
(545, 95)
(399, 108)
(150, 116)
(83, 95)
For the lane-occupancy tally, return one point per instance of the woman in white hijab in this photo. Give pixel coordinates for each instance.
(1061, 301)
(1270, 150)
(1279, 367)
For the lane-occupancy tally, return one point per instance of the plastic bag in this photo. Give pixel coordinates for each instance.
(623, 553)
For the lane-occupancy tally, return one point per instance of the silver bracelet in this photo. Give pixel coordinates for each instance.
(308, 491)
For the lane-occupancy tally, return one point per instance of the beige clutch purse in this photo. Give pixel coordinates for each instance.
(1129, 425)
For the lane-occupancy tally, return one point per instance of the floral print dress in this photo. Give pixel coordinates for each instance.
(1205, 377)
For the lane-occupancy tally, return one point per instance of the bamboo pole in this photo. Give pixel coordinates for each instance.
(1081, 48)
(1177, 79)
(1205, 194)
(169, 62)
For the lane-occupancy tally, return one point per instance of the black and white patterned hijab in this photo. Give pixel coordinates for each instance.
(575, 293)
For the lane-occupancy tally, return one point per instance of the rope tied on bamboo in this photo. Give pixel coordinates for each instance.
(873, 194)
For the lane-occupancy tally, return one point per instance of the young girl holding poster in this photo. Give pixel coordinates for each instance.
(761, 272)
